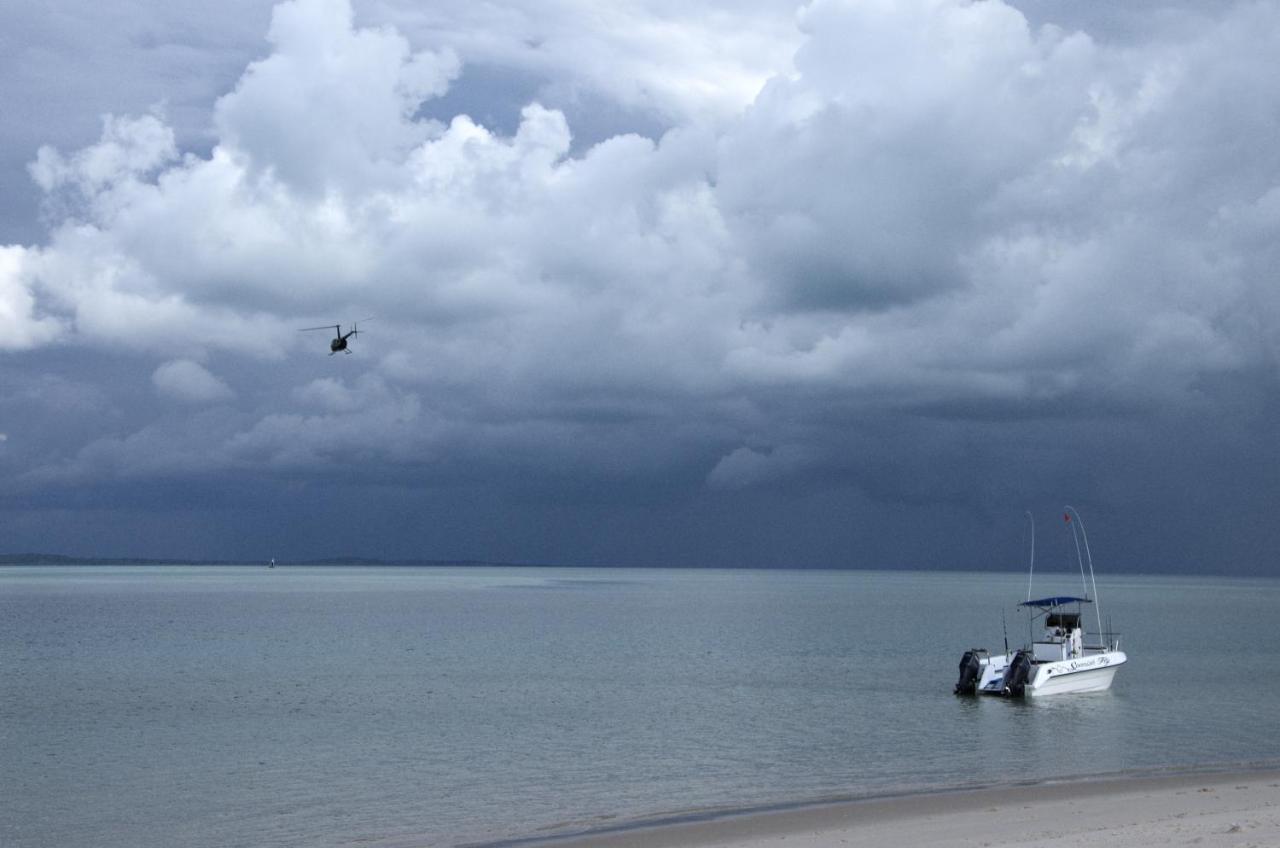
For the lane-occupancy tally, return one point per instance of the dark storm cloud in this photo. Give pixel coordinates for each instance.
(759, 285)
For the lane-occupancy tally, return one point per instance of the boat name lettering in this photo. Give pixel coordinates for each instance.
(1077, 665)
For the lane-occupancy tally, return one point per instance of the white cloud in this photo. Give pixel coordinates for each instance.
(748, 467)
(332, 107)
(687, 62)
(21, 324)
(329, 394)
(190, 382)
(928, 202)
(130, 149)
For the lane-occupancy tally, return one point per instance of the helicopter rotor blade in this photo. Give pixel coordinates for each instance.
(325, 327)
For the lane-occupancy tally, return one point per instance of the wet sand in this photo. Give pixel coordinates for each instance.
(1239, 809)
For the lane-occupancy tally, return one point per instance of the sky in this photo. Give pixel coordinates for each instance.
(843, 283)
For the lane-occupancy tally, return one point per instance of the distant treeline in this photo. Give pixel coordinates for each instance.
(59, 559)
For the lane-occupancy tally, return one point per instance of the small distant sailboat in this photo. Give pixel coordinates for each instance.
(1061, 660)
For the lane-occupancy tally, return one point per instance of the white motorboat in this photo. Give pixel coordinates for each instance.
(1063, 659)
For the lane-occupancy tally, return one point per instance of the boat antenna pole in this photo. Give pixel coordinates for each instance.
(1006, 632)
(1084, 583)
(1097, 606)
(1032, 570)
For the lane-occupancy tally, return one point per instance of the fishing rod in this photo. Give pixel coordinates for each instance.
(1097, 607)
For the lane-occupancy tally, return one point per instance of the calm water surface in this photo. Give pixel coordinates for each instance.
(226, 706)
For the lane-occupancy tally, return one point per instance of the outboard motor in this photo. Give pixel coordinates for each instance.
(1014, 684)
(970, 671)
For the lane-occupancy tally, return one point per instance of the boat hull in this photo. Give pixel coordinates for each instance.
(1087, 674)
(1090, 673)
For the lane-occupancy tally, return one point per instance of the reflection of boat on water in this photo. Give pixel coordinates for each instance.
(1063, 659)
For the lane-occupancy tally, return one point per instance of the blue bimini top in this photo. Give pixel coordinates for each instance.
(1055, 602)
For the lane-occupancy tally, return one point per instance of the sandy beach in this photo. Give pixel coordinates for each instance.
(1238, 809)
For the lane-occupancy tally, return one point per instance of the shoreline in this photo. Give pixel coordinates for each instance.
(1150, 806)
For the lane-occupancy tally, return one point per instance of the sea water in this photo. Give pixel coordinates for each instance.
(236, 706)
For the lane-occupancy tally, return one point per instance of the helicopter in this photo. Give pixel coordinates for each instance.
(339, 342)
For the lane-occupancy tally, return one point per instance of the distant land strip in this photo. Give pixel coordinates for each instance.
(59, 559)
(23, 559)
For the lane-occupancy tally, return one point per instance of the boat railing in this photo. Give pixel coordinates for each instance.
(1110, 641)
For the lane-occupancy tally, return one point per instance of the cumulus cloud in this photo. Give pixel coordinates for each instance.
(328, 393)
(927, 192)
(924, 209)
(130, 149)
(684, 63)
(190, 382)
(21, 324)
(332, 107)
(748, 467)
(889, 144)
